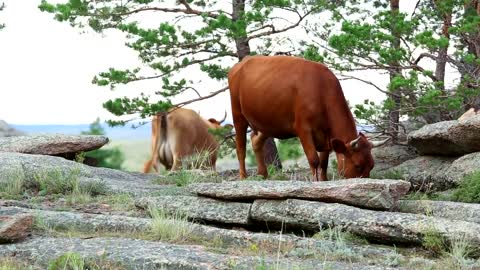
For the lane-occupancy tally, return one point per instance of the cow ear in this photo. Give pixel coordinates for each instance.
(213, 121)
(339, 146)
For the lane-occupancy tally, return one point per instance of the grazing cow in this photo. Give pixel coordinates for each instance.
(284, 97)
(179, 134)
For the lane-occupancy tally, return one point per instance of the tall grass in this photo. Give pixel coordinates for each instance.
(171, 228)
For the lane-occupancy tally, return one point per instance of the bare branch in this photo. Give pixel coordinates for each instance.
(349, 77)
(273, 31)
(181, 104)
(191, 11)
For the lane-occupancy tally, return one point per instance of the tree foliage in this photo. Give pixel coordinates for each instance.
(108, 158)
(361, 37)
(186, 36)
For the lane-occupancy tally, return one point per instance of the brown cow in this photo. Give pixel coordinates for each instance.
(284, 97)
(179, 134)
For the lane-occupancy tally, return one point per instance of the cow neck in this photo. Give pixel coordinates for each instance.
(342, 126)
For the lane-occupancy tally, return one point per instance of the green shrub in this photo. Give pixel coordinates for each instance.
(469, 189)
(108, 158)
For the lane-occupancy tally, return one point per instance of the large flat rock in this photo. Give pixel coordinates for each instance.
(381, 226)
(88, 223)
(367, 193)
(200, 208)
(28, 167)
(141, 254)
(450, 210)
(52, 144)
(449, 138)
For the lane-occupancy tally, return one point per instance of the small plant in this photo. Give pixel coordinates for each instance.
(334, 234)
(199, 160)
(394, 259)
(434, 241)
(67, 183)
(340, 249)
(119, 201)
(12, 264)
(14, 186)
(173, 228)
(75, 261)
(67, 261)
(469, 189)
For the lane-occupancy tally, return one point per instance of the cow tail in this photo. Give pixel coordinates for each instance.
(163, 127)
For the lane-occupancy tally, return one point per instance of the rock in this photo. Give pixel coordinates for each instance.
(28, 167)
(435, 173)
(471, 112)
(89, 223)
(368, 193)
(389, 156)
(199, 208)
(15, 228)
(450, 210)
(463, 166)
(7, 131)
(380, 226)
(62, 220)
(425, 173)
(54, 144)
(141, 254)
(449, 138)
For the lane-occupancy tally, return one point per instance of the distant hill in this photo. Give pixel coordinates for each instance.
(114, 133)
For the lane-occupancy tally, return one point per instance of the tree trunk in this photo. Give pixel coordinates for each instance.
(243, 49)
(441, 61)
(394, 114)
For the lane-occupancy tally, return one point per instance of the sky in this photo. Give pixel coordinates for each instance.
(46, 69)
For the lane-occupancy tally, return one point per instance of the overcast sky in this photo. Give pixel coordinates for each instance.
(46, 68)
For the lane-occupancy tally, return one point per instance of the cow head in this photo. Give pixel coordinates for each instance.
(218, 124)
(355, 157)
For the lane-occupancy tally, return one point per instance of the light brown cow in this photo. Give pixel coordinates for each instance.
(284, 97)
(180, 134)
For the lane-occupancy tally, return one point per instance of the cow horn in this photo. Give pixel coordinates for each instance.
(224, 118)
(379, 143)
(353, 143)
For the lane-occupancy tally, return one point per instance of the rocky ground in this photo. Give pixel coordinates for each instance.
(60, 214)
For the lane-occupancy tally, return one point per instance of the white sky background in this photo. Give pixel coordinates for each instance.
(46, 68)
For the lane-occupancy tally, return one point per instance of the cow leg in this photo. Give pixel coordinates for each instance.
(310, 151)
(241, 126)
(258, 141)
(213, 160)
(324, 165)
(147, 166)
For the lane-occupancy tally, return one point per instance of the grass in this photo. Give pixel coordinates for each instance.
(75, 261)
(335, 234)
(13, 264)
(14, 186)
(183, 178)
(171, 228)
